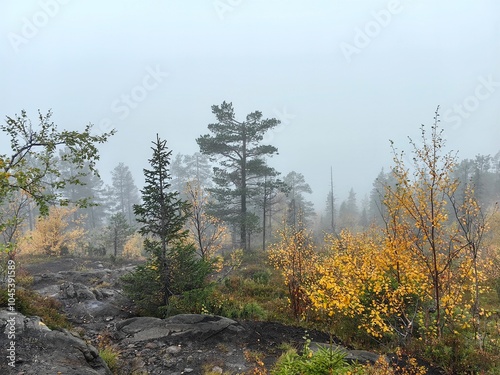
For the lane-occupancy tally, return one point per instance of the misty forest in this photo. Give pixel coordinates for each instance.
(257, 187)
(411, 267)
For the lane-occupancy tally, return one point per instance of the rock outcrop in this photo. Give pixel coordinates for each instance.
(87, 296)
(182, 344)
(36, 350)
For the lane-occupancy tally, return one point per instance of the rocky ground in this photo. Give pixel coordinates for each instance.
(91, 297)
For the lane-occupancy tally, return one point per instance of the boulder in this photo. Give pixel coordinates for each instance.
(178, 326)
(85, 304)
(39, 350)
(361, 356)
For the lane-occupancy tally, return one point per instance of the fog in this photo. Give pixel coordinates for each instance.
(343, 77)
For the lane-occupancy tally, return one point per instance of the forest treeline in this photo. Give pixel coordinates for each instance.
(241, 190)
(272, 201)
(291, 201)
(414, 264)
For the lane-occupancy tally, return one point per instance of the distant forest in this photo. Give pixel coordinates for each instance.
(273, 202)
(229, 183)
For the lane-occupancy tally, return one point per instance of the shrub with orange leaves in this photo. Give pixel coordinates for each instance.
(55, 234)
(362, 276)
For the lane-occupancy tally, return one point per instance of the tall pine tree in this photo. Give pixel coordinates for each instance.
(123, 193)
(236, 145)
(162, 215)
(299, 209)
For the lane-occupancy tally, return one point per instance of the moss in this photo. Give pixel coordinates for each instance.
(30, 303)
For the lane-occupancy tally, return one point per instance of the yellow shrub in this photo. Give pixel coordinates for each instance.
(56, 234)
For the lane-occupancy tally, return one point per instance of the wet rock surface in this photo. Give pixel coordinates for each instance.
(38, 350)
(93, 301)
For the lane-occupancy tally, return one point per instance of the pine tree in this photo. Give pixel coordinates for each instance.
(119, 231)
(123, 193)
(162, 214)
(270, 189)
(188, 168)
(299, 209)
(237, 146)
(349, 212)
(87, 188)
(173, 266)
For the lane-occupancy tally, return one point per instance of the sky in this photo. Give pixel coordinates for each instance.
(343, 76)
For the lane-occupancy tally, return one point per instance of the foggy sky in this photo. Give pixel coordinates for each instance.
(344, 77)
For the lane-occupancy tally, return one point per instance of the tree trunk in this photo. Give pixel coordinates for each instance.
(115, 242)
(243, 218)
(264, 218)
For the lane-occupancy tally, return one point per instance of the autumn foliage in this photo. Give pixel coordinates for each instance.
(56, 234)
(294, 255)
(205, 230)
(415, 282)
(363, 277)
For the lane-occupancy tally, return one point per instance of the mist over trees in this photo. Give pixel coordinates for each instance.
(240, 190)
(123, 194)
(172, 266)
(300, 210)
(408, 263)
(187, 168)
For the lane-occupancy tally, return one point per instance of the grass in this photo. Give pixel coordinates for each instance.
(30, 303)
(110, 356)
(254, 291)
(210, 369)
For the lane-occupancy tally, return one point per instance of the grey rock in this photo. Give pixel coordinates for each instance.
(97, 293)
(84, 294)
(151, 345)
(173, 349)
(79, 291)
(361, 356)
(42, 351)
(351, 356)
(201, 326)
(68, 290)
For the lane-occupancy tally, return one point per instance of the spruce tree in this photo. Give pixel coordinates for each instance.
(163, 216)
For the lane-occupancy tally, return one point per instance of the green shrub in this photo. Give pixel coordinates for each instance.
(262, 277)
(143, 287)
(496, 286)
(196, 301)
(146, 285)
(322, 362)
(252, 311)
(456, 354)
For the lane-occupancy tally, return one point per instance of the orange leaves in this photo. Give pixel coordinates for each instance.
(134, 247)
(437, 231)
(55, 234)
(357, 278)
